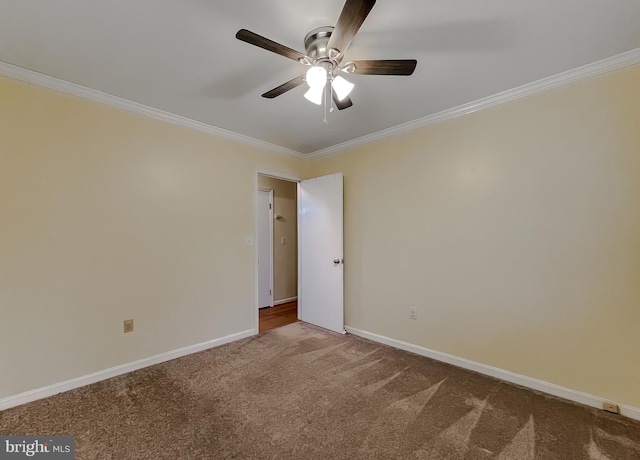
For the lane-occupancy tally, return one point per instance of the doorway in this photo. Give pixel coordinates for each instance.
(316, 239)
(277, 238)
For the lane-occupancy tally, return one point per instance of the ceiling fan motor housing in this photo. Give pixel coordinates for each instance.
(315, 43)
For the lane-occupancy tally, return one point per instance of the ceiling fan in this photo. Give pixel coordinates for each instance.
(325, 49)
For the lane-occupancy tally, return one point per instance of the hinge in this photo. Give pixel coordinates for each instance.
(269, 291)
(269, 205)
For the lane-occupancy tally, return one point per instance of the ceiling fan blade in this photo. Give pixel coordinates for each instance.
(351, 18)
(385, 67)
(269, 45)
(342, 104)
(283, 88)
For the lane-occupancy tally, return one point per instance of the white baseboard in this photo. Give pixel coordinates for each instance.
(529, 382)
(50, 390)
(281, 301)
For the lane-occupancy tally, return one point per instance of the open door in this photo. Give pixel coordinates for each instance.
(320, 252)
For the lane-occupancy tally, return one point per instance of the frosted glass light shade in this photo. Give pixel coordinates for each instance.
(315, 94)
(316, 77)
(342, 87)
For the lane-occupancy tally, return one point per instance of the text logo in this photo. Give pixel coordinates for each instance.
(37, 447)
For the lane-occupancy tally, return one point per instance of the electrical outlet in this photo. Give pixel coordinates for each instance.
(611, 407)
(128, 325)
(413, 313)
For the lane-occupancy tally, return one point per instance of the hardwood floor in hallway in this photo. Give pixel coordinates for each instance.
(278, 316)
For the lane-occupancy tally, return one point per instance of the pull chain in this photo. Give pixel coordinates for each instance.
(331, 109)
(326, 93)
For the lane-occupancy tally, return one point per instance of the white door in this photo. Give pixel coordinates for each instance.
(265, 248)
(320, 252)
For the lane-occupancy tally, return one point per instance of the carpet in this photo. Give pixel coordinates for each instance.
(300, 392)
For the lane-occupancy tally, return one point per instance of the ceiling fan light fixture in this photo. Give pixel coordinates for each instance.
(316, 77)
(342, 87)
(315, 95)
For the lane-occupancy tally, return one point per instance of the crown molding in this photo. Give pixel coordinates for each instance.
(56, 84)
(590, 70)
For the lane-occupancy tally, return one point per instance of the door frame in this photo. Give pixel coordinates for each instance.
(270, 230)
(277, 175)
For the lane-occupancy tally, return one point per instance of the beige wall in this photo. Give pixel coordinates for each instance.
(285, 257)
(515, 231)
(105, 216)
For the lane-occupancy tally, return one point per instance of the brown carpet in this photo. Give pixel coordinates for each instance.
(300, 392)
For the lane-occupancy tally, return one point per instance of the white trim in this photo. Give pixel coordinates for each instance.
(283, 301)
(56, 84)
(518, 379)
(50, 390)
(277, 175)
(257, 240)
(609, 64)
(299, 243)
(272, 206)
(590, 70)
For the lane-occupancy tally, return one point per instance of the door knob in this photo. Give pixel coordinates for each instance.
(338, 261)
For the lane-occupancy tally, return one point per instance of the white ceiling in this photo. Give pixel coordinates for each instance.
(182, 56)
